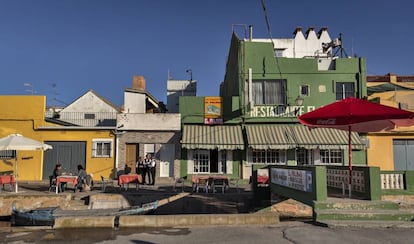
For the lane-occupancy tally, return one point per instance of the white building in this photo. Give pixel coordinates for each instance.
(176, 89)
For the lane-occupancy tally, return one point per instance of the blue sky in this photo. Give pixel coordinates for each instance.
(66, 47)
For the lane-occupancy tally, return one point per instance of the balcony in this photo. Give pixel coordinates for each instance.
(84, 119)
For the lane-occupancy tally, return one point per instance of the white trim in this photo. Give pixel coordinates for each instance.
(95, 141)
(190, 162)
(229, 162)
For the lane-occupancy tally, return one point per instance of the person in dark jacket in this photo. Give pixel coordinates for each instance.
(81, 178)
(58, 171)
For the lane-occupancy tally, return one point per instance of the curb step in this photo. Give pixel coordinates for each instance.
(357, 205)
(366, 224)
(368, 215)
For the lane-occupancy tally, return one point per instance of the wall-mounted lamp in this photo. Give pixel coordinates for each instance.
(299, 101)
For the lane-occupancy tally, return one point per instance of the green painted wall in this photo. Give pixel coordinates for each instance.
(192, 110)
(297, 71)
(374, 183)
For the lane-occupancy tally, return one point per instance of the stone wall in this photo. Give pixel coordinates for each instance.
(28, 202)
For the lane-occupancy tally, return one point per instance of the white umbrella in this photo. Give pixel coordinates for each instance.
(18, 142)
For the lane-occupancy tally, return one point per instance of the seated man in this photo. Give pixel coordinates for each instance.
(81, 178)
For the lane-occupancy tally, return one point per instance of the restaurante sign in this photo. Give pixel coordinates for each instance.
(279, 111)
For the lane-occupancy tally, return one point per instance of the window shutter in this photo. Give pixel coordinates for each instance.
(229, 162)
(190, 162)
(94, 146)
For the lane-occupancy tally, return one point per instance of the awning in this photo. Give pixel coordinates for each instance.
(268, 136)
(324, 138)
(222, 137)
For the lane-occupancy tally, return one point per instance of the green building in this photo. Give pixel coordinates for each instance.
(267, 85)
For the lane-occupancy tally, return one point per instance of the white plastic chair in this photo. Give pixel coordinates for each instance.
(202, 184)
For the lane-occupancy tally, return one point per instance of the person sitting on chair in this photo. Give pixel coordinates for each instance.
(58, 171)
(81, 178)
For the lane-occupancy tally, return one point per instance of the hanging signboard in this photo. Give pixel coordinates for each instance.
(212, 110)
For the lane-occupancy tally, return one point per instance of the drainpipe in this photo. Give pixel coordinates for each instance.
(117, 134)
(250, 80)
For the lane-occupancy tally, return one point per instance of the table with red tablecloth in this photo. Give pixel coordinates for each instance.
(66, 179)
(125, 180)
(7, 179)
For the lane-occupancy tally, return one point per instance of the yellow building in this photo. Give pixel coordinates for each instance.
(91, 146)
(393, 150)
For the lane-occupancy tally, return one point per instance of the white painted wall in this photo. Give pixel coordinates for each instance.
(149, 122)
(177, 88)
(89, 102)
(300, 46)
(134, 102)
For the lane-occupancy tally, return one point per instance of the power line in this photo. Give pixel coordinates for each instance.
(270, 35)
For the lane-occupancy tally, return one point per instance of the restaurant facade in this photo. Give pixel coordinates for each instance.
(267, 85)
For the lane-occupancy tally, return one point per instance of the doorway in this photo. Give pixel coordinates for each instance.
(131, 156)
(403, 154)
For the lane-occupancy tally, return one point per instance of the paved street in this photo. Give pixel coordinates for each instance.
(285, 232)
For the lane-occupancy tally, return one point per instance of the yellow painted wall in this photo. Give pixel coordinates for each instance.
(94, 166)
(25, 115)
(381, 150)
(21, 115)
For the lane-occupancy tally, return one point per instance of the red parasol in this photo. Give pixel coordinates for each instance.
(352, 114)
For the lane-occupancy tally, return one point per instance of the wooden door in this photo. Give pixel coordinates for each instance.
(131, 157)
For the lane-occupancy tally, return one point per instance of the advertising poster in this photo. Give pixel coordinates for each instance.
(292, 178)
(212, 110)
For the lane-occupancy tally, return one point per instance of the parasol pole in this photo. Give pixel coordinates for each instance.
(16, 174)
(350, 160)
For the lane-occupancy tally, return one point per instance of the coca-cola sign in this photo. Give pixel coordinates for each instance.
(326, 122)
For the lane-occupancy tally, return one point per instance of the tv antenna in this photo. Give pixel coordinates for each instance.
(30, 87)
(336, 44)
(55, 94)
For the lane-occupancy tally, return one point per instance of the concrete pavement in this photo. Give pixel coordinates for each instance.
(177, 209)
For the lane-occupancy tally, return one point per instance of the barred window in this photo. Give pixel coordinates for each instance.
(7, 154)
(332, 156)
(201, 160)
(102, 148)
(269, 156)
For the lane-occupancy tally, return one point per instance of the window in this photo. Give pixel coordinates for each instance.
(279, 52)
(269, 156)
(344, 90)
(89, 116)
(303, 156)
(223, 161)
(269, 92)
(332, 156)
(102, 148)
(304, 90)
(7, 154)
(201, 160)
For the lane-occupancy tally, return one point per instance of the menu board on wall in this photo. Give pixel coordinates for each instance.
(292, 178)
